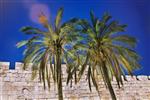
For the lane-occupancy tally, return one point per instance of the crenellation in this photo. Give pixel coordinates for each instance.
(5, 65)
(142, 77)
(16, 84)
(18, 66)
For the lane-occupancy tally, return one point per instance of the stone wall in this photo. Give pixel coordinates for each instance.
(17, 85)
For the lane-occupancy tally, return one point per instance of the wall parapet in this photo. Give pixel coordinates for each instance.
(17, 84)
(19, 67)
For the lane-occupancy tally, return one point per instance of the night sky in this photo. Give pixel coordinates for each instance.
(17, 13)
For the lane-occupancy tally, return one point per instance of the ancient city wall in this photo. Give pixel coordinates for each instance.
(17, 85)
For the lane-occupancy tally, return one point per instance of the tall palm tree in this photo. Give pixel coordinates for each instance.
(108, 51)
(47, 47)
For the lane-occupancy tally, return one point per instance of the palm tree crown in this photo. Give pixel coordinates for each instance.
(47, 47)
(108, 52)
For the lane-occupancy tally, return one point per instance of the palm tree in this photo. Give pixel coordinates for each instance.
(108, 52)
(47, 47)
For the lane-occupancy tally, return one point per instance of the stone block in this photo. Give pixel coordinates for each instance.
(6, 79)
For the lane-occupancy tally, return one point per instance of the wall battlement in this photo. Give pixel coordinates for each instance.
(16, 84)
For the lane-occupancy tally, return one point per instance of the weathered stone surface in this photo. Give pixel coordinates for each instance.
(17, 85)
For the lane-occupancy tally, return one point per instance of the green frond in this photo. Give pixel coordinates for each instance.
(21, 43)
(108, 82)
(50, 29)
(89, 77)
(30, 30)
(98, 26)
(130, 41)
(112, 28)
(35, 67)
(93, 18)
(94, 80)
(43, 65)
(58, 17)
(106, 17)
(34, 39)
(83, 68)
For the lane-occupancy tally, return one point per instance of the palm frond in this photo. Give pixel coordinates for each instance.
(31, 30)
(93, 18)
(58, 17)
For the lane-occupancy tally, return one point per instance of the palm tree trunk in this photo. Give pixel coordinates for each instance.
(59, 81)
(108, 82)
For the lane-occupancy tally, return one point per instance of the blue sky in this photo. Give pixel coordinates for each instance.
(17, 13)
